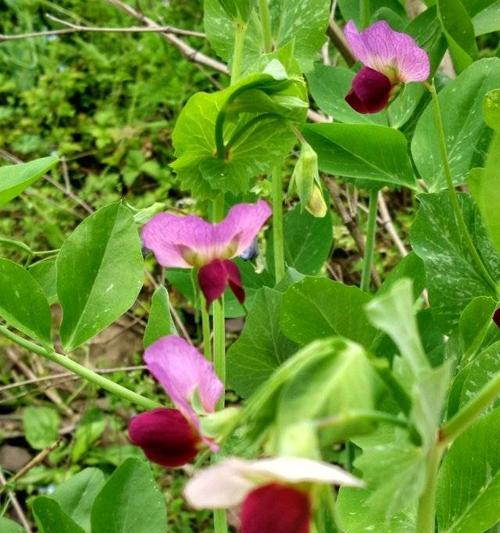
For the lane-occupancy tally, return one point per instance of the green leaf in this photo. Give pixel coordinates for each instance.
(15, 178)
(261, 347)
(91, 427)
(394, 470)
(130, 502)
(373, 155)
(352, 10)
(467, 135)
(307, 240)
(41, 426)
(411, 267)
(469, 480)
(336, 385)
(44, 272)
(452, 277)
(76, 495)
(160, 322)
(99, 273)
(23, 303)
(316, 308)
(8, 526)
(252, 116)
(50, 518)
(488, 19)
(459, 31)
(300, 22)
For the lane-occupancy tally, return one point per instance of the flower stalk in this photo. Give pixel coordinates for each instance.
(370, 241)
(278, 234)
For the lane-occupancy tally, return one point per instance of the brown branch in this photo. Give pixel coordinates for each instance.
(16, 505)
(386, 221)
(338, 39)
(349, 223)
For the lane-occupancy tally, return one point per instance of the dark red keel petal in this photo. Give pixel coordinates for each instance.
(370, 91)
(496, 317)
(216, 276)
(276, 508)
(165, 436)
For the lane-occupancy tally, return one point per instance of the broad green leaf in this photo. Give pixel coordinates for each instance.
(373, 155)
(253, 114)
(351, 9)
(452, 278)
(9, 526)
(160, 321)
(44, 272)
(392, 312)
(76, 495)
(23, 303)
(307, 241)
(469, 480)
(394, 470)
(301, 22)
(91, 427)
(261, 347)
(342, 383)
(15, 178)
(473, 377)
(41, 426)
(50, 518)
(467, 135)
(182, 280)
(488, 19)
(130, 502)
(316, 308)
(487, 190)
(411, 267)
(99, 273)
(459, 31)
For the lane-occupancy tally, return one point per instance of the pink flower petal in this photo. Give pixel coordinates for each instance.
(392, 53)
(183, 371)
(184, 242)
(276, 508)
(242, 224)
(370, 91)
(165, 436)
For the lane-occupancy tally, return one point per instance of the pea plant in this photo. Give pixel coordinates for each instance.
(357, 409)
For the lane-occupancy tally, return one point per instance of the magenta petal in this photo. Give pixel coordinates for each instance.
(393, 53)
(165, 436)
(183, 371)
(212, 279)
(242, 224)
(234, 280)
(276, 508)
(496, 317)
(370, 91)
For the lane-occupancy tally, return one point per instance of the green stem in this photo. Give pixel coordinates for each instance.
(464, 418)
(240, 29)
(278, 239)
(438, 121)
(220, 521)
(365, 13)
(83, 372)
(370, 241)
(426, 514)
(265, 20)
(205, 325)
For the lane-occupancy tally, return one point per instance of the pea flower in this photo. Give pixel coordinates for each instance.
(275, 494)
(389, 58)
(172, 437)
(191, 242)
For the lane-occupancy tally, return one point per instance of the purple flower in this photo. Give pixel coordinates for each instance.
(172, 437)
(191, 242)
(389, 58)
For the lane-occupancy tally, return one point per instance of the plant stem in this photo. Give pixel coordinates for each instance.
(465, 417)
(364, 9)
(426, 514)
(205, 325)
(80, 370)
(278, 238)
(370, 241)
(240, 29)
(438, 121)
(265, 20)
